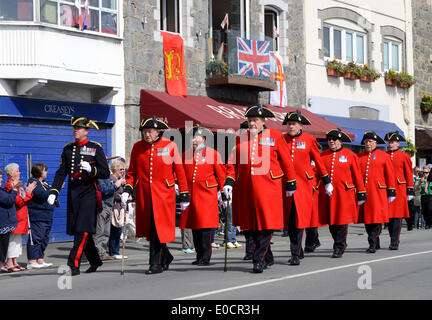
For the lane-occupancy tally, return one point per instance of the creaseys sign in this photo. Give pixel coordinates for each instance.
(55, 110)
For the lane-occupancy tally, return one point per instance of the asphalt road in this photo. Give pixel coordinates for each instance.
(386, 275)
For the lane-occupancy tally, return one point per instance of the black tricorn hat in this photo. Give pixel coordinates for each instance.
(200, 131)
(394, 136)
(84, 123)
(338, 134)
(296, 116)
(244, 125)
(153, 123)
(372, 135)
(259, 111)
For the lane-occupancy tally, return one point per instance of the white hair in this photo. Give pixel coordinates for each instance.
(115, 164)
(10, 168)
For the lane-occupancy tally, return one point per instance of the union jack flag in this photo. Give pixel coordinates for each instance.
(253, 57)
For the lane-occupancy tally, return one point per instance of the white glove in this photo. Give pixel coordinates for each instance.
(390, 199)
(86, 166)
(184, 205)
(329, 189)
(290, 193)
(224, 204)
(228, 191)
(360, 202)
(124, 198)
(409, 198)
(51, 199)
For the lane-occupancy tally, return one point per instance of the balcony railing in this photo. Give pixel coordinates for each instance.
(233, 60)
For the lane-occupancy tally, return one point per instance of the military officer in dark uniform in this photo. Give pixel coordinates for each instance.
(84, 162)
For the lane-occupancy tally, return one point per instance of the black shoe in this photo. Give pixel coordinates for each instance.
(258, 267)
(337, 254)
(75, 271)
(247, 257)
(168, 261)
(154, 269)
(370, 250)
(92, 268)
(204, 263)
(393, 247)
(268, 264)
(294, 261)
(196, 262)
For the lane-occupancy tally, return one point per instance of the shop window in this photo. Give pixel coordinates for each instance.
(170, 15)
(16, 10)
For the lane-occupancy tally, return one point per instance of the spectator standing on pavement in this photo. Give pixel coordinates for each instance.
(118, 168)
(21, 200)
(418, 217)
(41, 218)
(8, 219)
(426, 197)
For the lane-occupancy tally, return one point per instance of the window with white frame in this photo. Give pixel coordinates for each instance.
(92, 15)
(392, 55)
(170, 15)
(16, 10)
(344, 44)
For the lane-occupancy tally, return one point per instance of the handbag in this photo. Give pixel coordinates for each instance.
(117, 218)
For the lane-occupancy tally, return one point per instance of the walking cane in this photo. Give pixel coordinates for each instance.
(124, 243)
(226, 232)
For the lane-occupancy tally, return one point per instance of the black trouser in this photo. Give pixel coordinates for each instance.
(339, 234)
(159, 253)
(83, 243)
(261, 241)
(295, 235)
(373, 230)
(394, 228)
(312, 237)
(4, 244)
(410, 220)
(250, 246)
(202, 243)
(426, 206)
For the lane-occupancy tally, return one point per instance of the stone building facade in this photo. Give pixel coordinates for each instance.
(422, 43)
(144, 64)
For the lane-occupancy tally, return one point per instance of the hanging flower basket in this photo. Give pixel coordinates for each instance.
(366, 79)
(334, 73)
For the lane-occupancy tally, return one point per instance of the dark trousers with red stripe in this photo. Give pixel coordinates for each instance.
(159, 253)
(295, 234)
(261, 246)
(312, 237)
(394, 228)
(339, 235)
(373, 230)
(83, 243)
(202, 243)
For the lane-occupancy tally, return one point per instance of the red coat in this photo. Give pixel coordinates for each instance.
(302, 149)
(316, 183)
(257, 165)
(21, 210)
(341, 208)
(152, 172)
(379, 179)
(204, 171)
(403, 171)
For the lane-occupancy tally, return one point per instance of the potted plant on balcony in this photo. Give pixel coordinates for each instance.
(369, 75)
(390, 78)
(353, 71)
(426, 103)
(335, 68)
(217, 69)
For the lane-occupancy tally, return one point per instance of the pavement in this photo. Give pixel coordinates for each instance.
(137, 249)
